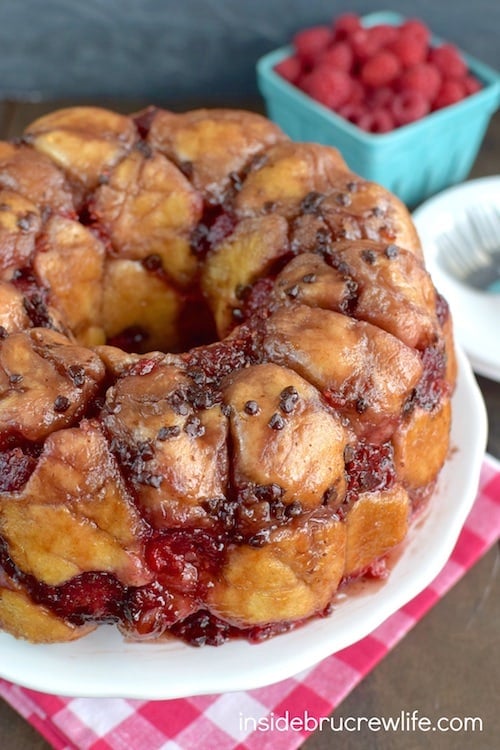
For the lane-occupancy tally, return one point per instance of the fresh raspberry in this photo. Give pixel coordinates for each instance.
(367, 42)
(360, 44)
(381, 97)
(329, 86)
(382, 35)
(417, 30)
(352, 111)
(358, 93)
(345, 25)
(377, 121)
(451, 91)
(408, 49)
(310, 43)
(290, 69)
(471, 85)
(409, 106)
(380, 69)
(424, 77)
(339, 56)
(448, 59)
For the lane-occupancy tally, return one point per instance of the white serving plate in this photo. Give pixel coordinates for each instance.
(476, 315)
(104, 665)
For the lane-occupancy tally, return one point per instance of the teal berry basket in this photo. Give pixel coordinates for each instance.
(414, 161)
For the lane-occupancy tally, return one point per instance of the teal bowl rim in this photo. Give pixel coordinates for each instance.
(489, 94)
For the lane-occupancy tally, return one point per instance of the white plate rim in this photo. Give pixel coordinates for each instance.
(470, 308)
(102, 665)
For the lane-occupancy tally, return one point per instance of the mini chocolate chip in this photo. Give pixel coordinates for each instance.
(293, 291)
(152, 262)
(343, 268)
(242, 291)
(392, 251)
(178, 403)
(103, 179)
(211, 505)
(351, 287)
(165, 433)
(153, 480)
(293, 509)
(276, 422)
(201, 398)
(77, 375)
(311, 202)
(252, 408)
(330, 495)
(377, 211)
(352, 187)
(193, 427)
(226, 409)
(322, 235)
(269, 492)
(15, 378)
(343, 199)
(3, 332)
(288, 399)
(269, 206)
(144, 148)
(309, 278)
(26, 222)
(259, 539)
(198, 376)
(61, 404)
(361, 405)
(146, 450)
(369, 257)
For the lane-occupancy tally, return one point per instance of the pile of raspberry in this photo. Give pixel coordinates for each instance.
(378, 78)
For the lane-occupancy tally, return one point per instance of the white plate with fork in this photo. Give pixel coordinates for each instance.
(460, 234)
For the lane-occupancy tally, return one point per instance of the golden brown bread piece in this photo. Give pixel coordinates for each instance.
(225, 376)
(187, 452)
(86, 521)
(212, 146)
(363, 371)
(21, 617)
(293, 576)
(34, 176)
(86, 142)
(72, 267)
(306, 457)
(38, 392)
(249, 253)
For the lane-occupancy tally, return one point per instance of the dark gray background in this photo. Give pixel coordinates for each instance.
(187, 49)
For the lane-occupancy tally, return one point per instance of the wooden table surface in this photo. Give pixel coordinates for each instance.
(448, 665)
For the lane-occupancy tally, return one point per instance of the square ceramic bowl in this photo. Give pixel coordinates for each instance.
(414, 161)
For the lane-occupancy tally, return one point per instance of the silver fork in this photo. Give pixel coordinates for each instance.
(471, 251)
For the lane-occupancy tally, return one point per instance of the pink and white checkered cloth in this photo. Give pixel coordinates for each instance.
(116, 724)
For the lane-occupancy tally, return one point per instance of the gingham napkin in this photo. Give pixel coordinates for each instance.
(116, 724)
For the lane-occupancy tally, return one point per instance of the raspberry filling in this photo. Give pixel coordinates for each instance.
(16, 467)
